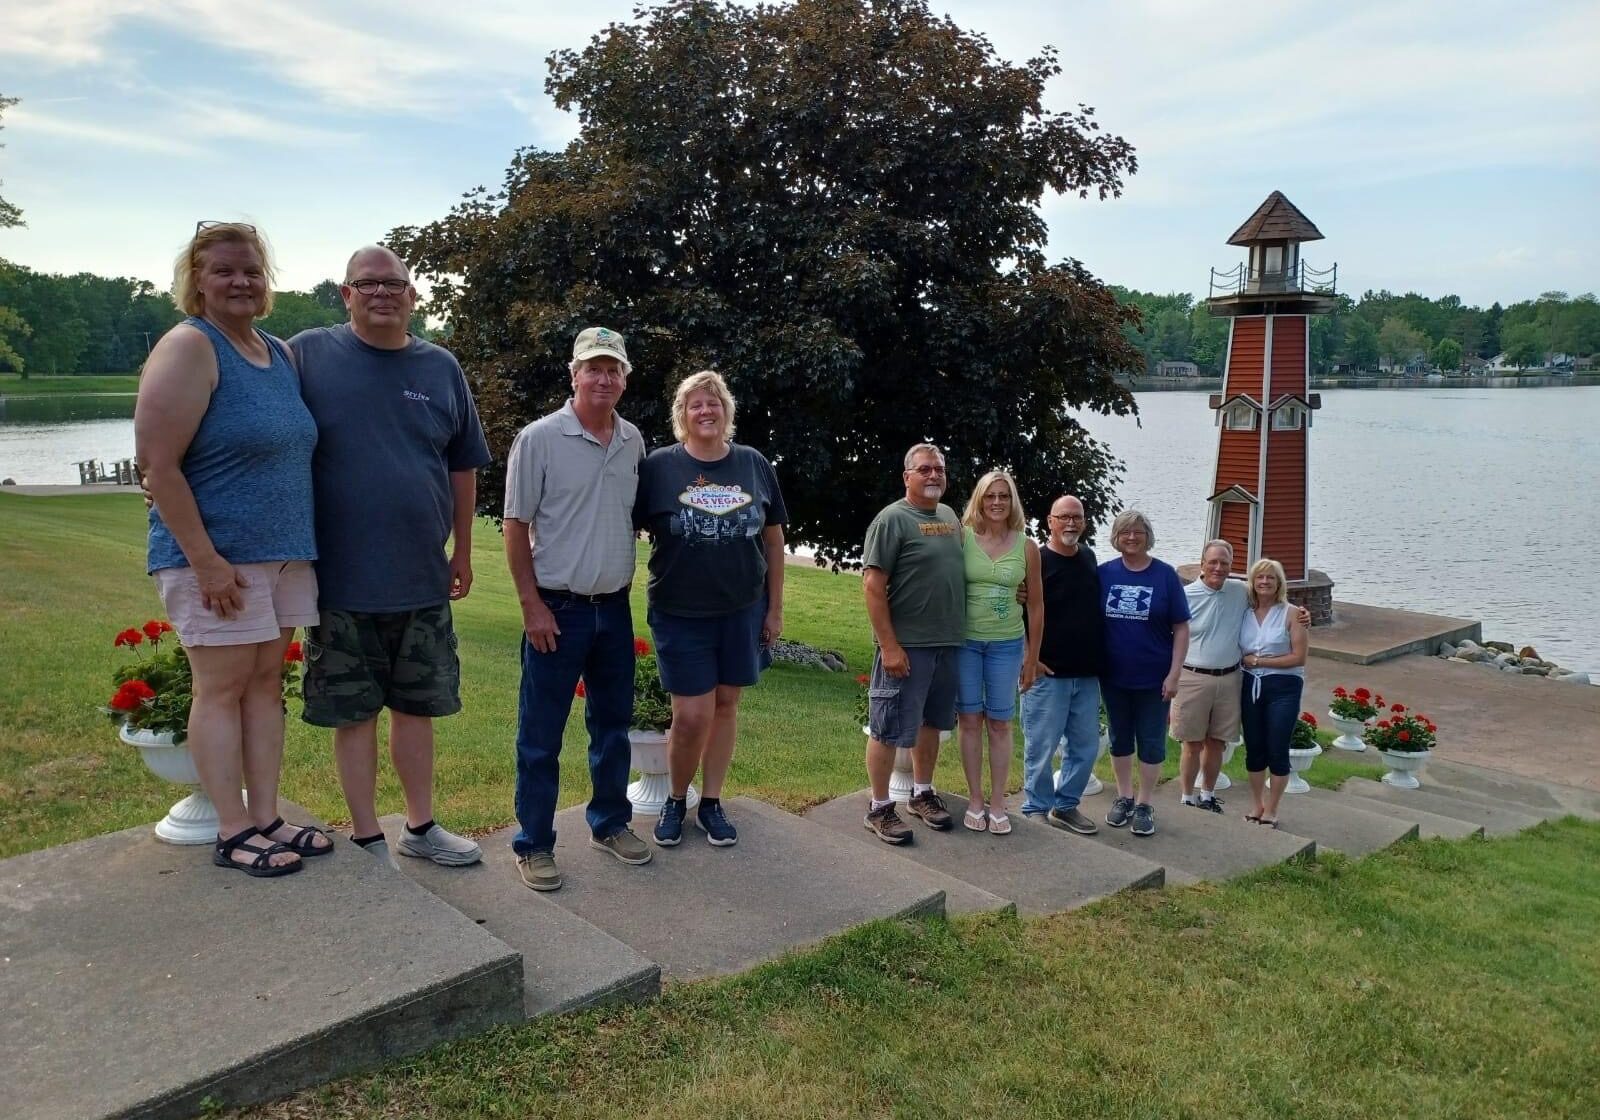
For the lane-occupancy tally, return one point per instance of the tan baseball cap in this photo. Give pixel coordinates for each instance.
(599, 341)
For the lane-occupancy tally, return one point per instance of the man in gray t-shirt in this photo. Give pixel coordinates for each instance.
(914, 578)
(395, 479)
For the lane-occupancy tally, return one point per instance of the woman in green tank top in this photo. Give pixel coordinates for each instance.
(1000, 651)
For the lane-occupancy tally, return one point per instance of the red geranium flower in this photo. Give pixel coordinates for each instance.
(1309, 718)
(129, 637)
(131, 695)
(641, 647)
(1383, 723)
(294, 652)
(1363, 694)
(153, 630)
(579, 690)
(1397, 707)
(1404, 736)
(863, 679)
(1378, 700)
(1339, 691)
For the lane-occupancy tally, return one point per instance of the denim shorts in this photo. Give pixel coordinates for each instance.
(1137, 720)
(695, 655)
(988, 673)
(899, 707)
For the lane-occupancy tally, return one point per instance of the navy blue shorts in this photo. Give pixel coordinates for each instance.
(698, 654)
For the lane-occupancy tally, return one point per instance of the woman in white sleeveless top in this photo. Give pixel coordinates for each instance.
(1273, 642)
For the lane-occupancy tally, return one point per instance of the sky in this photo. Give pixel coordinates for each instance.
(1440, 147)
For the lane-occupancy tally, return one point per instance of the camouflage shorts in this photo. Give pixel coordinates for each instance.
(358, 664)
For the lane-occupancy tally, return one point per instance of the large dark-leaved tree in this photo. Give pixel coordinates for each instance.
(836, 204)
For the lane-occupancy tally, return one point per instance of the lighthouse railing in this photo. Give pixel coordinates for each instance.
(1241, 279)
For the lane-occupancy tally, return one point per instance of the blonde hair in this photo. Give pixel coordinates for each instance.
(1218, 543)
(974, 511)
(186, 269)
(1127, 519)
(710, 381)
(1267, 565)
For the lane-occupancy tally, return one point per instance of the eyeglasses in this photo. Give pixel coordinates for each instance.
(1066, 517)
(370, 287)
(200, 227)
(926, 471)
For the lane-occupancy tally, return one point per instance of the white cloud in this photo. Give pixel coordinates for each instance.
(25, 120)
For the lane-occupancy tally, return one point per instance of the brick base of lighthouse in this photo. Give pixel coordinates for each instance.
(1315, 595)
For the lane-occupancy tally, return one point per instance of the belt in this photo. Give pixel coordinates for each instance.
(574, 597)
(1234, 668)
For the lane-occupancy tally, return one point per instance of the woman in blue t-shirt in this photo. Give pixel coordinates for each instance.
(715, 517)
(1146, 639)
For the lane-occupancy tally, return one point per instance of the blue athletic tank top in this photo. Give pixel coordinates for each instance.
(249, 464)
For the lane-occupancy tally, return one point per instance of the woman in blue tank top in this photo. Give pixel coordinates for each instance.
(224, 443)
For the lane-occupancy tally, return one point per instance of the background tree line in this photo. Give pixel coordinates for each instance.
(1380, 328)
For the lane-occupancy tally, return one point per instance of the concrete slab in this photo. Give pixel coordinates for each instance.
(703, 911)
(1344, 825)
(1192, 844)
(567, 963)
(138, 979)
(1429, 825)
(1040, 868)
(1496, 820)
(1527, 726)
(1461, 780)
(1361, 635)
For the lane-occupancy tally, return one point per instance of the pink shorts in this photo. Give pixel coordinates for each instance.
(278, 595)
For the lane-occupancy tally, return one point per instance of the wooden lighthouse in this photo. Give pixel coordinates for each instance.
(1260, 491)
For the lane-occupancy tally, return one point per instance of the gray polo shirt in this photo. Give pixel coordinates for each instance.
(577, 498)
(1214, 618)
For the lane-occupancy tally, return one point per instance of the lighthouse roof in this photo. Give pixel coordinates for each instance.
(1276, 219)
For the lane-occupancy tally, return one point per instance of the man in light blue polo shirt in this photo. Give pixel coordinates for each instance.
(570, 485)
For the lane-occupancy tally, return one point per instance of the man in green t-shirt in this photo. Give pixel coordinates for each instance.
(914, 579)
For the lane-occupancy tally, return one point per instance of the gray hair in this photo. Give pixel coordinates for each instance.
(918, 449)
(350, 265)
(1129, 518)
(1218, 543)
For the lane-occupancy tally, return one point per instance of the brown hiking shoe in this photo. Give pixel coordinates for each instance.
(930, 807)
(887, 826)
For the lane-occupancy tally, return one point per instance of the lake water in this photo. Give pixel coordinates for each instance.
(1474, 502)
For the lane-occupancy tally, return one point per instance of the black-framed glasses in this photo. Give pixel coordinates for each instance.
(1066, 517)
(926, 471)
(202, 226)
(369, 287)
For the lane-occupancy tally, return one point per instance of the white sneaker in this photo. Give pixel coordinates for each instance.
(441, 846)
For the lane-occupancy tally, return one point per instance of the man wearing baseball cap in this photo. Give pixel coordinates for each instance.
(570, 484)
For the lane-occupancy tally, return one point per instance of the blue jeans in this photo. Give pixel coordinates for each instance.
(1268, 722)
(595, 643)
(1057, 707)
(1137, 720)
(988, 673)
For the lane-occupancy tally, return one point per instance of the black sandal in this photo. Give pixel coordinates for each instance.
(1253, 819)
(300, 842)
(261, 867)
(1264, 823)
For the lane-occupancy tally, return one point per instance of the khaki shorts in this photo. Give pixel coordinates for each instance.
(278, 595)
(1206, 707)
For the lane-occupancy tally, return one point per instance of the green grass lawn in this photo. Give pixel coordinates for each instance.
(13, 385)
(1433, 979)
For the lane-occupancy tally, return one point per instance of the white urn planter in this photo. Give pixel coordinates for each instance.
(650, 790)
(1223, 781)
(1350, 731)
(1300, 760)
(1404, 766)
(192, 820)
(1094, 785)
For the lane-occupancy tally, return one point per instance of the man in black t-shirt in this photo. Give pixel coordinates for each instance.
(1064, 702)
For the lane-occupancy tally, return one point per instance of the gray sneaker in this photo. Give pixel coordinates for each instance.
(538, 871)
(1121, 810)
(440, 845)
(1144, 820)
(624, 845)
(1073, 821)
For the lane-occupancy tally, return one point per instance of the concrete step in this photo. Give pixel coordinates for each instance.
(1496, 820)
(1429, 825)
(703, 911)
(1040, 868)
(567, 963)
(138, 979)
(1344, 825)
(1193, 844)
(1526, 795)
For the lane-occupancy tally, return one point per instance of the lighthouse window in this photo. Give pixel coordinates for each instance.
(1239, 416)
(1288, 416)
